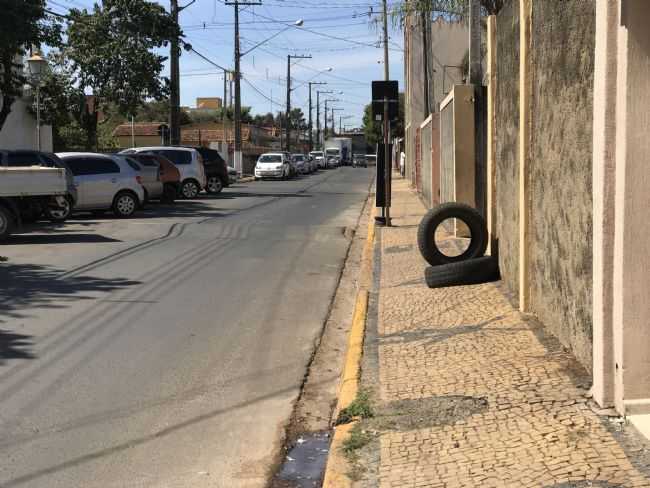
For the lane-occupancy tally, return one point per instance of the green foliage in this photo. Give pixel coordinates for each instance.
(158, 111)
(111, 53)
(266, 120)
(360, 407)
(373, 129)
(23, 23)
(452, 9)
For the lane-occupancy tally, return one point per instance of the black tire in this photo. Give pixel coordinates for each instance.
(190, 189)
(214, 185)
(434, 217)
(59, 215)
(469, 272)
(6, 223)
(125, 204)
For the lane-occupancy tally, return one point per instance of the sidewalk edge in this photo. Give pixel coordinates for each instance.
(337, 466)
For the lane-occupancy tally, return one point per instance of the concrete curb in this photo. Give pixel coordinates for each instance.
(337, 465)
(246, 179)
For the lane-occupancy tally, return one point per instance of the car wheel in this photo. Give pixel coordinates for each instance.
(6, 223)
(125, 204)
(60, 214)
(214, 185)
(190, 189)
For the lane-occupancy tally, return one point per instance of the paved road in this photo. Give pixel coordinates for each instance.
(166, 350)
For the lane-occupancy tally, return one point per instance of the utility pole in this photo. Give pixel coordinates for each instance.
(387, 164)
(318, 92)
(174, 88)
(334, 120)
(475, 75)
(288, 119)
(237, 76)
(311, 130)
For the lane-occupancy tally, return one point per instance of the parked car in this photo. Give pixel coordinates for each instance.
(18, 158)
(187, 160)
(371, 159)
(216, 170)
(359, 160)
(169, 174)
(318, 156)
(300, 163)
(149, 177)
(105, 182)
(273, 165)
(26, 187)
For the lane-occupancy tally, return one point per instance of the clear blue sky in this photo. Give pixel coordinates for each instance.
(337, 34)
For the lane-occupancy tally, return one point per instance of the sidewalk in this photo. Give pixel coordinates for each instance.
(472, 393)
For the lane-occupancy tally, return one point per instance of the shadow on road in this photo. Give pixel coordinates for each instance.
(237, 194)
(26, 286)
(14, 346)
(58, 238)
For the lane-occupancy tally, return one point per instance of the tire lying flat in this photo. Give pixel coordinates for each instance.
(436, 216)
(469, 272)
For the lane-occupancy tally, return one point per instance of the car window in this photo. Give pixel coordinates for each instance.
(148, 161)
(134, 165)
(50, 161)
(23, 159)
(101, 166)
(77, 165)
(270, 158)
(176, 157)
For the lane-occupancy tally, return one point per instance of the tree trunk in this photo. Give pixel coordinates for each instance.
(7, 102)
(90, 127)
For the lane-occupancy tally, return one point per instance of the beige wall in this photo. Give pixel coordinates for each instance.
(631, 282)
(449, 42)
(19, 130)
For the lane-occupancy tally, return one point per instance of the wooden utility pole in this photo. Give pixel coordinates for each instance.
(311, 130)
(174, 88)
(237, 76)
(475, 74)
(387, 163)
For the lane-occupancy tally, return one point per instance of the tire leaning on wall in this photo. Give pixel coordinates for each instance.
(436, 216)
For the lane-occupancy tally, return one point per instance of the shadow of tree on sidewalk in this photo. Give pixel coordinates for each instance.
(14, 346)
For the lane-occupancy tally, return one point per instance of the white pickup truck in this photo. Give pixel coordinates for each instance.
(25, 188)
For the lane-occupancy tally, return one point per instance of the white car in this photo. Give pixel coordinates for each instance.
(273, 165)
(105, 182)
(318, 157)
(187, 160)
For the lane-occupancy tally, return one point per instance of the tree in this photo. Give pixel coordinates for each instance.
(373, 129)
(454, 8)
(266, 120)
(111, 50)
(158, 111)
(22, 24)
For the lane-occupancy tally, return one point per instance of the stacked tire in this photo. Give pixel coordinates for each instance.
(468, 268)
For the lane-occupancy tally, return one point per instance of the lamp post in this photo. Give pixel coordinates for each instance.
(37, 66)
(318, 92)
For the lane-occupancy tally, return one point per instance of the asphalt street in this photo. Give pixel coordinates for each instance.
(167, 350)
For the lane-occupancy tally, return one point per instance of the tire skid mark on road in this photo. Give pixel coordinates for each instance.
(153, 277)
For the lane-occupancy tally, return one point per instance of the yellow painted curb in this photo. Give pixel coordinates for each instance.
(337, 465)
(336, 472)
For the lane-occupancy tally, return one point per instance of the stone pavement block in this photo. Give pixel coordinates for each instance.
(511, 404)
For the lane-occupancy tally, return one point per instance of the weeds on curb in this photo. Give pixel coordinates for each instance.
(358, 439)
(361, 407)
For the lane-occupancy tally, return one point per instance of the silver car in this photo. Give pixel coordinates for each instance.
(187, 160)
(105, 183)
(150, 172)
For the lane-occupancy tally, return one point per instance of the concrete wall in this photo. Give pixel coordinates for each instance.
(19, 131)
(560, 170)
(507, 145)
(449, 42)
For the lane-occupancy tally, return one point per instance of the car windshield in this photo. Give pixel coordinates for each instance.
(332, 152)
(317, 154)
(298, 157)
(176, 157)
(270, 158)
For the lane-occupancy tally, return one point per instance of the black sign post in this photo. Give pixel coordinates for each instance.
(385, 107)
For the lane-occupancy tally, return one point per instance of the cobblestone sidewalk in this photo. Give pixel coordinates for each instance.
(474, 394)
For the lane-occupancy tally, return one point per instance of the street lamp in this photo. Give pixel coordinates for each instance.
(37, 67)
